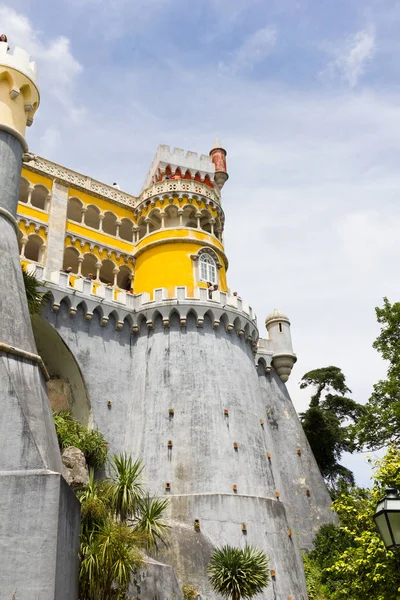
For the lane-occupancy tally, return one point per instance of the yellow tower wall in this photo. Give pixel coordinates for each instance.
(169, 264)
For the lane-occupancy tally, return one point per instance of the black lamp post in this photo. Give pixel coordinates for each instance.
(387, 519)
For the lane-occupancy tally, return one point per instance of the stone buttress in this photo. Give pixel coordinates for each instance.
(39, 514)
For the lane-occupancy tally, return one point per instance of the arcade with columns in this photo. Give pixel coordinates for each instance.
(172, 233)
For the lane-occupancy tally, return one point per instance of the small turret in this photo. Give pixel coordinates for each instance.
(19, 94)
(218, 156)
(283, 358)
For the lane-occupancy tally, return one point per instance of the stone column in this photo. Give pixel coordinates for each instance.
(39, 514)
(80, 261)
(56, 235)
(98, 267)
(24, 242)
(115, 273)
(30, 192)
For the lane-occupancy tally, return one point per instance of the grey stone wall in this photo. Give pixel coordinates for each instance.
(39, 516)
(200, 373)
(39, 537)
(302, 485)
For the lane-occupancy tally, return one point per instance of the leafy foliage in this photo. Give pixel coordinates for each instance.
(189, 592)
(110, 550)
(90, 441)
(351, 559)
(127, 491)
(380, 424)
(151, 522)
(328, 422)
(238, 573)
(36, 298)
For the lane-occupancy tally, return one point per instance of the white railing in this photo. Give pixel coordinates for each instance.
(137, 302)
(181, 185)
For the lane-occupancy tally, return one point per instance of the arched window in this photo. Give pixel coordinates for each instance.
(74, 212)
(34, 248)
(208, 269)
(39, 197)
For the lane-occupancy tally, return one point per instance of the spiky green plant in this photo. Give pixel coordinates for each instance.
(238, 573)
(36, 299)
(127, 489)
(151, 522)
(108, 558)
(94, 509)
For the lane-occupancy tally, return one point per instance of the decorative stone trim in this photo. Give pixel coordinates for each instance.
(32, 221)
(108, 250)
(182, 186)
(27, 355)
(10, 218)
(71, 178)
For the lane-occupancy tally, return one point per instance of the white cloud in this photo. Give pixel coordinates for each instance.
(58, 69)
(312, 201)
(254, 50)
(351, 60)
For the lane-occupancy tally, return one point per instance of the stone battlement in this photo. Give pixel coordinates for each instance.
(180, 187)
(18, 60)
(177, 157)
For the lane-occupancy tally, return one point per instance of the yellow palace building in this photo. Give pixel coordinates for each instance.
(171, 234)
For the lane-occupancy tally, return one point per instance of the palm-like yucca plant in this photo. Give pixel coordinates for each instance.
(94, 510)
(36, 299)
(238, 573)
(126, 491)
(108, 559)
(150, 521)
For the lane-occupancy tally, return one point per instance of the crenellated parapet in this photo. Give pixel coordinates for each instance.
(137, 311)
(19, 93)
(122, 308)
(176, 158)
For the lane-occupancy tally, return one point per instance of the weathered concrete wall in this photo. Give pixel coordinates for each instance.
(295, 461)
(39, 537)
(39, 517)
(156, 581)
(200, 372)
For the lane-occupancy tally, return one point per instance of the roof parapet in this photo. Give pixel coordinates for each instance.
(18, 60)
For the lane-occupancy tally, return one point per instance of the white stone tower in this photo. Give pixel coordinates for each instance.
(39, 514)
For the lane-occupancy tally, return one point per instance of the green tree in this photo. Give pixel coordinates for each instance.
(328, 422)
(118, 520)
(36, 298)
(380, 424)
(352, 560)
(238, 573)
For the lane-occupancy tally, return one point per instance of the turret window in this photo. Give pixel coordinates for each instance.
(280, 328)
(208, 269)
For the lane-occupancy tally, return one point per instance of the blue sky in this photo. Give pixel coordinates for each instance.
(305, 97)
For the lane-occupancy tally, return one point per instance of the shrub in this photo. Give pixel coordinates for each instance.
(90, 441)
(189, 592)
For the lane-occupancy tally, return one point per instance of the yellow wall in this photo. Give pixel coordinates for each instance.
(28, 210)
(102, 204)
(97, 236)
(35, 178)
(169, 265)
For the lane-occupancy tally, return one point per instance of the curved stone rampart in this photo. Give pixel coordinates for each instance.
(188, 401)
